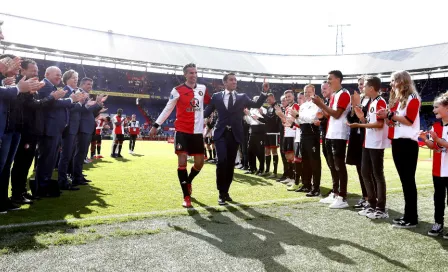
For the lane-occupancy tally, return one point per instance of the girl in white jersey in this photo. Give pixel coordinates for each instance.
(438, 141)
(375, 141)
(404, 127)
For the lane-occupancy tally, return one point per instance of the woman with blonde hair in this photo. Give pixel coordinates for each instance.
(404, 127)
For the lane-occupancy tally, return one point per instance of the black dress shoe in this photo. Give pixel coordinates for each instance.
(69, 188)
(76, 183)
(31, 197)
(228, 198)
(86, 180)
(20, 199)
(222, 201)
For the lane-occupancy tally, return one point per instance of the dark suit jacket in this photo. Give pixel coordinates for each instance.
(6, 94)
(56, 115)
(87, 124)
(33, 116)
(75, 115)
(233, 118)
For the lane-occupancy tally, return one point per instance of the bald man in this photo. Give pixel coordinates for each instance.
(56, 118)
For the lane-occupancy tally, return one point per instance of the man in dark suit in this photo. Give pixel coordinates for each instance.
(229, 130)
(56, 118)
(30, 121)
(86, 126)
(70, 79)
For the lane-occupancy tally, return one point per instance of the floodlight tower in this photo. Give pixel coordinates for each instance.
(339, 37)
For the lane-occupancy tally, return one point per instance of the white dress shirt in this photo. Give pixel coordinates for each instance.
(308, 112)
(226, 97)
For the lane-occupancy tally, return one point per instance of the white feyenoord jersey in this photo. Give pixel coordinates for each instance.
(412, 112)
(291, 132)
(376, 138)
(337, 129)
(440, 159)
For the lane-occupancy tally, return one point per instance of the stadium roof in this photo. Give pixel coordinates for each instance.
(107, 45)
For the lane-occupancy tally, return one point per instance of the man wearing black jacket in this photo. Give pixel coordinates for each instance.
(29, 123)
(273, 128)
(257, 136)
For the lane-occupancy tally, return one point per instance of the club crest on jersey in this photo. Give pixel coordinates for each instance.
(178, 147)
(371, 109)
(171, 97)
(201, 93)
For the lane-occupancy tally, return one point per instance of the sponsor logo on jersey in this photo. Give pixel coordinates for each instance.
(194, 102)
(201, 93)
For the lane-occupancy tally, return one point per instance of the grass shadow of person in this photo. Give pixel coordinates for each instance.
(23, 230)
(242, 242)
(251, 179)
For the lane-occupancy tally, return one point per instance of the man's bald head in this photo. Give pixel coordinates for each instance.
(54, 75)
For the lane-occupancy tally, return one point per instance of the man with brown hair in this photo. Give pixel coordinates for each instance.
(229, 130)
(189, 99)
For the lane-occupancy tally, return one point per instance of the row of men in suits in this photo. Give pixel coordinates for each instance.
(46, 120)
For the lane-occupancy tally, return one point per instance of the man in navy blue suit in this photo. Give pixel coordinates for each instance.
(70, 79)
(228, 134)
(86, 126)
(56, 118)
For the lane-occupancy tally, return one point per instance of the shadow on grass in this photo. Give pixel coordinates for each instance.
(241, 242)
(75, 204)
(252, 179)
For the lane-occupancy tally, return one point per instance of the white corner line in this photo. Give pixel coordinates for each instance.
(164, 212)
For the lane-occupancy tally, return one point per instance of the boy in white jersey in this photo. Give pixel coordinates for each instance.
(375, 141)
(337, 136)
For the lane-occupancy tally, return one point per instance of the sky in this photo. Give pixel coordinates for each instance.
(281, 26)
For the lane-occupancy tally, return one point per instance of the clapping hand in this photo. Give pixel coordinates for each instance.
(103, 110)
(9, 81)
(356, 99)
(318, 101)
(294, 113)
(60, 93)
(9, 67)
(31, 85)
(353, 125)
(76, 97)
(90, 103)
(433, 135)
(382, 114)
(319, 115)
(422, 135)
(359, 112)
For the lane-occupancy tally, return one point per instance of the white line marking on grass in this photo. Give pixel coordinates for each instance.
(165, 212)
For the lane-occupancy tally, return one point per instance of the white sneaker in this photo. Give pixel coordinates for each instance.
(328, 200)
(130, 151)
(339, 203)
(366, 211)
(287, 181)
(291, 183)
(378, 215)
